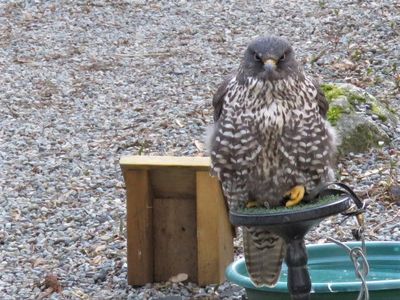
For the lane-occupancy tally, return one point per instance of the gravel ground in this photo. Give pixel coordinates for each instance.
(84, 82)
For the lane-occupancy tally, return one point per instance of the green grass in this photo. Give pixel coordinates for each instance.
(280, 209)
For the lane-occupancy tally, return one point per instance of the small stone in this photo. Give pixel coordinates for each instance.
(82, 85)
(101, 275)
(169, 298)
(394, 193)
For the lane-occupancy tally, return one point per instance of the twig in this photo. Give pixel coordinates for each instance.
(314, 59)
(380, 225)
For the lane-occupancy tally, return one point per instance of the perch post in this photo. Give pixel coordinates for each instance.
(292, 226)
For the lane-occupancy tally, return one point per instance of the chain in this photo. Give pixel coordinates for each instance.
(357, 254)
(358, 257)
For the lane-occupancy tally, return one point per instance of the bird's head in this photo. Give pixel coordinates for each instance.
(269, 58)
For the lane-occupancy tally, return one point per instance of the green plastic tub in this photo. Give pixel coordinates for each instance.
(332, 274)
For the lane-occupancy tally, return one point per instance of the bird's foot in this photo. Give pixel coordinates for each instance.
(294, 196)
(251, 204)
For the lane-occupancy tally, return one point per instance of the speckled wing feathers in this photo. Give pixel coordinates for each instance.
(218, 99)
(235, 146)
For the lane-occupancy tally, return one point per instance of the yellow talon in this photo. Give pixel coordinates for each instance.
(251, 204)
(295, 195)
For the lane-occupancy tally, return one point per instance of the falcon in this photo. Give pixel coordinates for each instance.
(271, 143)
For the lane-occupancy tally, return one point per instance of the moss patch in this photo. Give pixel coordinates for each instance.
(377, 111)
(280, 209)
(334, 114)
(332, 92)
(355, 99)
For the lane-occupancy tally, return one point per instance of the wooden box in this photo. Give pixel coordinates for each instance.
(177, 220)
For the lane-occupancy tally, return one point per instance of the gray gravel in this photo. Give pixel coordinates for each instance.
(84, 82)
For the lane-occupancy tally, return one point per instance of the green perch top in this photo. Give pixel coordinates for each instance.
(279, 209)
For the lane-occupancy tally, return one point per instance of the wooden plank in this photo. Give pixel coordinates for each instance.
(226, 231)
(175, 244)
(173, 183)
(149, 162)
(176, 220)
(214, 233)
(139, 227)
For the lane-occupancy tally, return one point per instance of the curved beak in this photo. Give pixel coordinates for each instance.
(269, 64)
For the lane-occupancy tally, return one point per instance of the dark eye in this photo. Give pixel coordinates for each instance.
(257, 57)
(283, 57)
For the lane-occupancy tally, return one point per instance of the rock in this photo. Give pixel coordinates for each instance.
(100, 276)
(358, 134)
(394, 193)
(362, 122)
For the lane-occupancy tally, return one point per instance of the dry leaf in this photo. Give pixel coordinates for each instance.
(51, 281)
(16, 214)
(179, 123)
(97, 260)
(344, 65)
(22, 60)
(100, 248)
(199, 145)
(38, 261)
(179, 278)
(47, 292)
(80, 294)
